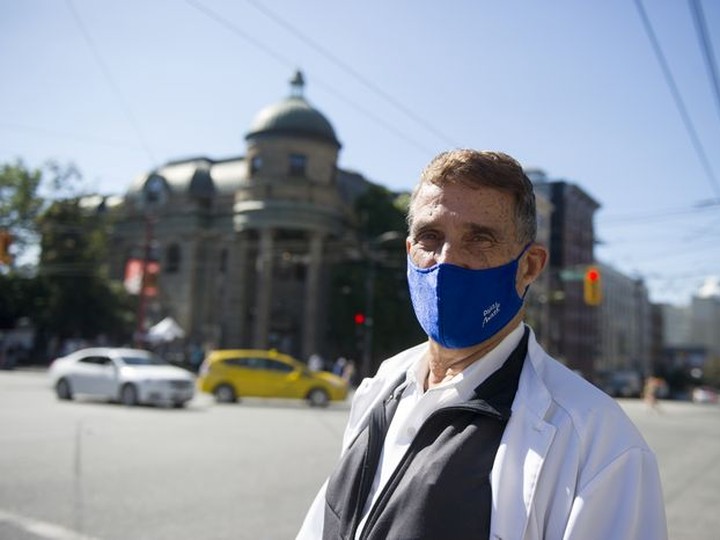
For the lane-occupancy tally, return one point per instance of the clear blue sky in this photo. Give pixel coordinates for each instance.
(573, 88)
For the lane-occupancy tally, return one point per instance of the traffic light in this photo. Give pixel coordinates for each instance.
(5, 241)
(592, 286)
(359, 318)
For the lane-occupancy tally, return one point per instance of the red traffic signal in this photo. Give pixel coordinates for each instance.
(359, 318)
(592, 286)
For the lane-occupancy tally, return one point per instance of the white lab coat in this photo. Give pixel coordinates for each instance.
(570, 465)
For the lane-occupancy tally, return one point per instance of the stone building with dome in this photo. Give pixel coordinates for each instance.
(244, 244)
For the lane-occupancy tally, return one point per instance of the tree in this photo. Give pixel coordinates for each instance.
(21, 297)
(379, 270)
(19, 205)
(22, 202)
(68, 294)
(82, 302)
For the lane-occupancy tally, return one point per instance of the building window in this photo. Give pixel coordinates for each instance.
(154, 191)
(297, 164)
(255, 164)
(172, 259)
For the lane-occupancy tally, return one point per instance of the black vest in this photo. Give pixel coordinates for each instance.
(440, 490)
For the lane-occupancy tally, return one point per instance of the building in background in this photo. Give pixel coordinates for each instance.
(537, 301)
(691, 351)
(248, 249)
(677, 325)
(705, 317)
(244, 244)
(625, 324)
(572, 335)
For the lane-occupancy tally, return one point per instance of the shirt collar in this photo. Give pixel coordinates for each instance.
(472, 376)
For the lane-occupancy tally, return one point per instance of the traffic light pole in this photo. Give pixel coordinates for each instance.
(369, 309)
(143, 298)
(369, 325)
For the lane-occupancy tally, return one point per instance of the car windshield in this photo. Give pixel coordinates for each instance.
(144, 360)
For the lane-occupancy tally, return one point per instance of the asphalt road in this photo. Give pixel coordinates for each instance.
(89, 470)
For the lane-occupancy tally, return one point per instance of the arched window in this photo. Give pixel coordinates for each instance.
(172, 259)
(297, 164)
(155, 191)
(256, 163)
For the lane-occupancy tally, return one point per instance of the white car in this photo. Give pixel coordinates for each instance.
(130, 376)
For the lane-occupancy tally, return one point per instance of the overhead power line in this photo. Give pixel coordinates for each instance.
(659, 215)
(330, 88)
(109, 79)
(674, 256)
(706, 48)
(352, 72)
(677, 98)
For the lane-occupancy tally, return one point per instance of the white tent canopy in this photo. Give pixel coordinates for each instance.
(166, 330)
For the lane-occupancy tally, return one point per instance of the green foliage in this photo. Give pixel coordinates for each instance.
(347, 298)
(380, 268)
(19, 202)
(20, 297)
(82, 302)
(396, 327)
(70, 295)
(22, 201)
(379, 211)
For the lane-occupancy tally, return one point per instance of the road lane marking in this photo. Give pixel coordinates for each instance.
(43, 529)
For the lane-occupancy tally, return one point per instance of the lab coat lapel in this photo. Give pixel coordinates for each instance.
(520, 458)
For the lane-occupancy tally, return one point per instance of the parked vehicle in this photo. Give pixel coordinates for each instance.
(129, 376)
(621, 383)
(231, 374)
(705, 394)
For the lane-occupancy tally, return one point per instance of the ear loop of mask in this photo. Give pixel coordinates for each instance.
(527, 287)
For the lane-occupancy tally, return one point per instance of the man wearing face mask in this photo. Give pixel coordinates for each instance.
(478, 433)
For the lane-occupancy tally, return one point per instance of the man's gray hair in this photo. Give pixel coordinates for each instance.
(474, 168)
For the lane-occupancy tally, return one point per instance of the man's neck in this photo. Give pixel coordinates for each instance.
(444, 364)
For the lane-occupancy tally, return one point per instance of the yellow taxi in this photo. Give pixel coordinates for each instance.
(235, 373)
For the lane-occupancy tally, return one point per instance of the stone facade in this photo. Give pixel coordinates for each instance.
(244, 244)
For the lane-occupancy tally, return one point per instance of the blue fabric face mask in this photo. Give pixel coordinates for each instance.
(458, 307)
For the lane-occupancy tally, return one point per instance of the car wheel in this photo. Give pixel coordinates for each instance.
(128, 395)
(63, 390)
(225, 393)
(318, 398)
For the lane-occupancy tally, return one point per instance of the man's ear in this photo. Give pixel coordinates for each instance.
(534, 261)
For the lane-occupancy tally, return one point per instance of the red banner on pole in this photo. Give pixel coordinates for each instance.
(134, 277)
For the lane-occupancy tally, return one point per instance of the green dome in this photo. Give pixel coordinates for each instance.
(293, 116)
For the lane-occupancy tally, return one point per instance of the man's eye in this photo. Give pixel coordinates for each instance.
(481, 239)
(427, 238)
